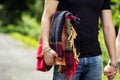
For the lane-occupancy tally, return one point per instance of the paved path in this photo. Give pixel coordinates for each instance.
(18, 62)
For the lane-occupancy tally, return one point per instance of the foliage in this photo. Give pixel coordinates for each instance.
(36, 9)
(27, 26)
(22, 16)
(116, 1)
(103, 47)
(115, 5)
(30, 41)
(11, 10)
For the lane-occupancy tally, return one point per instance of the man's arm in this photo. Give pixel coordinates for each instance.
(50, 7)
(109, 36)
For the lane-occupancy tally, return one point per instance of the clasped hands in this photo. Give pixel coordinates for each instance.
(110, 72)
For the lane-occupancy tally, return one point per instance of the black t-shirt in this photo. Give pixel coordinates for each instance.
(88, 11)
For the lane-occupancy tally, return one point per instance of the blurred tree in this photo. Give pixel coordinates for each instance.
(12, 9)
(36, 9)
(116, 13)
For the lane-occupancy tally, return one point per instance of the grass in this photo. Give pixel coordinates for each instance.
(30, 41)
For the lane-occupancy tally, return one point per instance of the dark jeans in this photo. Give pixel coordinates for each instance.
(89, 68)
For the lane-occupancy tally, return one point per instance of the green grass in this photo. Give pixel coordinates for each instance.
(30, 41)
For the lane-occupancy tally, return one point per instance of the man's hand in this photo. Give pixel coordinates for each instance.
(110, 72)
(50, 56)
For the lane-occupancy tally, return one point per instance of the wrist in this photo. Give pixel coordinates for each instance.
(46, 50)
(113, 60)
(45, 46)
(115, 64)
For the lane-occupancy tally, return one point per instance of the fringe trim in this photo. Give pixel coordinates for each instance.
(71, 36)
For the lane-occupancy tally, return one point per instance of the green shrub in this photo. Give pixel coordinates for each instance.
(103, 47)
(30, 41)
(28, 26)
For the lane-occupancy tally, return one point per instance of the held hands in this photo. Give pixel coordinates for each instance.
(110, 72)
(49, 56)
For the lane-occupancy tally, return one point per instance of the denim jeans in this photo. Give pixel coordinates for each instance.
(89, 68)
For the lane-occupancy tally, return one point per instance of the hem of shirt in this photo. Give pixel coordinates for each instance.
(106, 9)
(92, 55)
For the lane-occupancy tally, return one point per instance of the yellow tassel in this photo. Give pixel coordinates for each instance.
(71, 37)
(59, 69)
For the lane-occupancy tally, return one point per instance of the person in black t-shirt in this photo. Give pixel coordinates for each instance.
(87, 44)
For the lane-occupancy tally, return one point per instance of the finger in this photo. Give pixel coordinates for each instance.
(59, 58)
(110, 78)
(55, 55)
(106, 73)
(111, 73)
(48, 62)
